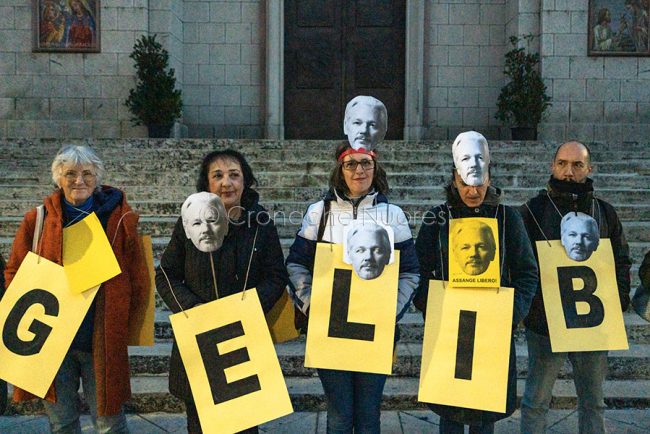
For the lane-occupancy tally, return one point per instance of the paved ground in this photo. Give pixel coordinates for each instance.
(392, 422)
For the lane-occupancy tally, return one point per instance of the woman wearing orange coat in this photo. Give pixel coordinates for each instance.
(98, 354)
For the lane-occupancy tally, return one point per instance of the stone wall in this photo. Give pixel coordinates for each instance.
(217, 49)
(465, 45)
(68, 94)
(594, 98)
(223, 68)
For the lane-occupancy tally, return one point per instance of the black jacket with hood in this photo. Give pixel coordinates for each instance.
(519, 271)
(190, 274)
(542, 221)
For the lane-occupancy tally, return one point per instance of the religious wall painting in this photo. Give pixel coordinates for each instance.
(66, 25)
(619, 28)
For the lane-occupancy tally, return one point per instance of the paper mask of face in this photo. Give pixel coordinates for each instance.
(471, 157)
(365, 122)
(580, 235)
(205, 221)
(369, 250)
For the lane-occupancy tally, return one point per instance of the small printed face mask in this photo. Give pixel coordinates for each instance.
(471, 158)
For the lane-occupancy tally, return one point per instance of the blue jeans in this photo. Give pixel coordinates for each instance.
(353, 401)
(64, 414)
(589, 371)
(448, 426)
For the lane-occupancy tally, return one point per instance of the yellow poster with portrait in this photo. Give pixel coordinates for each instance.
(351, 319)
(39, 318)
(231, 363)
(466, 347)
(474, 253)
(83, 243)
(581, 299)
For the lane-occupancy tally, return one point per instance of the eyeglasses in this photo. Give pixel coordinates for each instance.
(351, 165)
(86, 175)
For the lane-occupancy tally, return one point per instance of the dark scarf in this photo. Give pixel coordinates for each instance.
(574, 196)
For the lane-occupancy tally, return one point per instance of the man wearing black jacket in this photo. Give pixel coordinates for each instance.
(569, 190)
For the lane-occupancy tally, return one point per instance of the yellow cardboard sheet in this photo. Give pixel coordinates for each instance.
(357, 334)
(474, 253)
(231, 364)
(141, 325)
(87, 255)
(590, 319)
(281, 320)
(456, 369)
(39, 318)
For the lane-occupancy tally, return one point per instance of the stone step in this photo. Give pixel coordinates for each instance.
(623, 365)
(424, 193)
(414, 210)
(412, 328)
(287, 227)
(173, 172)
(637, 249)
(151, 394)
(194, 143)
(130, 146)
(184, 181)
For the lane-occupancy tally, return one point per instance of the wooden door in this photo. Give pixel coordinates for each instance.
(335, 50)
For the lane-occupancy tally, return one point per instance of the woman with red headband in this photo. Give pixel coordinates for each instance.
(357, 191)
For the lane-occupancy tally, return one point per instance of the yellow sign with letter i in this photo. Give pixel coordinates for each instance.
(231, 363)
(581, 299)
(351, 320)
(466, 347)
(39, 318)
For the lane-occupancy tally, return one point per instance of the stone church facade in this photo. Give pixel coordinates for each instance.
(229, 58)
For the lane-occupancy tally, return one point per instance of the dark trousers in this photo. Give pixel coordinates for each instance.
(448, 426)
(193, 425)
(353, 401)
(3, 397)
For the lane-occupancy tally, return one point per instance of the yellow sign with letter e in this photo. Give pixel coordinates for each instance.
(231, 363)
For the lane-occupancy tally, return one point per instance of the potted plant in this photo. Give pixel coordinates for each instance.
(523, 100)
(155, 101)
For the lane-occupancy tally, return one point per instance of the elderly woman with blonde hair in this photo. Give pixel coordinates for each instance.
(98, 354)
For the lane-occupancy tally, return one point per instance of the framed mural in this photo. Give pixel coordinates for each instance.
(619, 27)
(66, 25)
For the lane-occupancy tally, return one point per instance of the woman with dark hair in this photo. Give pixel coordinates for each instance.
(185, 277)
(358, 186)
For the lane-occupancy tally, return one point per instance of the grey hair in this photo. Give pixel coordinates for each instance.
(77, 154)
(370, 101)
